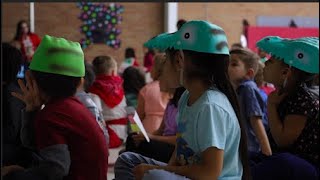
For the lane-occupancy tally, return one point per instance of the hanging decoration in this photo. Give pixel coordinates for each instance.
(100, 23)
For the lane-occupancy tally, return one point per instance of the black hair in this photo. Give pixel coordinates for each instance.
(56, 85)
(89, 76)
(213, 70)
(133, 80)
(19, 29)
(130, 53)
(11, 62)
(151, 51)
(180, 23)
(176, 96)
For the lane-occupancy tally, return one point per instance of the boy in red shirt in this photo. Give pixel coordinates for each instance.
(69, 140)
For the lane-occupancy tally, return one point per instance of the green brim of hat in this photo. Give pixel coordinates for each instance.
(59, 56)
(301, 53)
(202, 37)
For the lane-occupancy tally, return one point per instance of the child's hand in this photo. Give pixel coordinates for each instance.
(138, 138)
(141, 169)
(9, 169)
(275, 98)
(30, 94)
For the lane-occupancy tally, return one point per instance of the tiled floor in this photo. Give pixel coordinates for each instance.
(113, 155)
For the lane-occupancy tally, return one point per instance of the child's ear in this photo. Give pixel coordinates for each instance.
(81, 83)
(250, 73)
(286, 72)
(113, 72)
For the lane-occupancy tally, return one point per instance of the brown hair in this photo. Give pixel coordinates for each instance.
(158, 63)
(259, 75)
(248, 57)
(103, 64)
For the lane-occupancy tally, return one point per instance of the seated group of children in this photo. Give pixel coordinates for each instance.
(203, 112)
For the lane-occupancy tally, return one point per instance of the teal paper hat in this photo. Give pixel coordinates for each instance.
(301, 53)
(199, 36)
(58, 56)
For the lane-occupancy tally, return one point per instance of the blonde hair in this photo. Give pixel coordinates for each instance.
(104, 64)
(259, 76)
(158, 62)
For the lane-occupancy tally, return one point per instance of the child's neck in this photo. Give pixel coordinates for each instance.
(236, 84)
(196, 89)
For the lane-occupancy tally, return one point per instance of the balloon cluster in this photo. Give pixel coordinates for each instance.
(100, 23)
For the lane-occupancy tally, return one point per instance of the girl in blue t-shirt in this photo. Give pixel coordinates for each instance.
(211, 143)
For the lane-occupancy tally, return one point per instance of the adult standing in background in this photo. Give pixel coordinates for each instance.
(27, 40)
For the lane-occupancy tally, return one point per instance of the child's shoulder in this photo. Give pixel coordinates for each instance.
(151, 86)
(216, 98)
(248, 84)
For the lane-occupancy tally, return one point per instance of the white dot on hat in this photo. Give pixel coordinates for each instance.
(290, 61)
(178, 42)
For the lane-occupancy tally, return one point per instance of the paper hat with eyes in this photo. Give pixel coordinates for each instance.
(199, 36)
(301, 53)
(59, 56)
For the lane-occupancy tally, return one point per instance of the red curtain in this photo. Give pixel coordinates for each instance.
(257, 33)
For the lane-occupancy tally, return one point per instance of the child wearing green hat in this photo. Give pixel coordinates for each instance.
(211, 141)
(293, 109)
(68, 138)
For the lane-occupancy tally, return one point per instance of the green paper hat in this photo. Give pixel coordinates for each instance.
(59, 56)
(301, 53)
(199, 36)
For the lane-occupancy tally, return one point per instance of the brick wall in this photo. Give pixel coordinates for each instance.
(140, 22)
(144, 20)
(12, 13)
(229, 15)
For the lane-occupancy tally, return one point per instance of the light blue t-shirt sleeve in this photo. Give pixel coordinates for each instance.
(211, 127)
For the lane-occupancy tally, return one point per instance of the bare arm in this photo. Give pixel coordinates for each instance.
(210, 168)
(140, 107)
(160, 130)
(166, 139)
(261, 134)
(287, 132)
(172, 161)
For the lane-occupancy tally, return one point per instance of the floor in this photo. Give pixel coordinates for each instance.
(113, 155)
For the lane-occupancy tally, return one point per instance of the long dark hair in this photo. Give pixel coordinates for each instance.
(213, 70)
(19, 29)
(133, 80)
(176, 96)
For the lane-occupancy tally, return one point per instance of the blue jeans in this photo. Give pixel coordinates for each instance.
(128, 160)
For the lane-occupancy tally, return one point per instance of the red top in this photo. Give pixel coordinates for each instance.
(68, 121)
(267, 89)
(148, 61)
(29, 44)
(135, 63)
(109, 89)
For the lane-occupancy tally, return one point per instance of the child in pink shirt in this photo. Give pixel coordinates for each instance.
(152, 102)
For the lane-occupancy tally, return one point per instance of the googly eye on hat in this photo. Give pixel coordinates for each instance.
(199, 36)
(301, 53)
